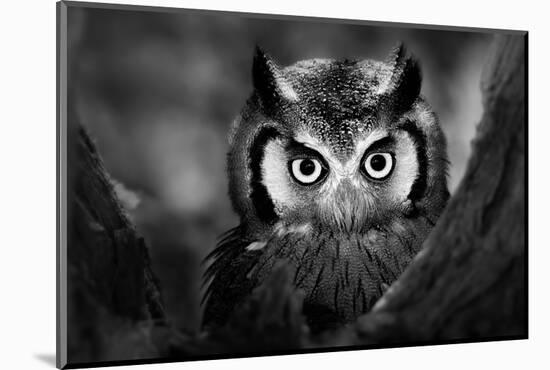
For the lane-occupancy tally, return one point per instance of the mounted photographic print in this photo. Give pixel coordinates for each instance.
(235, 184)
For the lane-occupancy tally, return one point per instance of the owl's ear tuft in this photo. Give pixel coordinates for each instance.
(264, 69)
(405, 81)
(397, 54)
(269, 82)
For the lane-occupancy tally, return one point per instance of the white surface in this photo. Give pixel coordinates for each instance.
(28, 183)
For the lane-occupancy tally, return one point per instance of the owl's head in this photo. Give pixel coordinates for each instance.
(340, 145)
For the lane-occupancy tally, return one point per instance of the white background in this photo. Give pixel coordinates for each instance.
(27, 194)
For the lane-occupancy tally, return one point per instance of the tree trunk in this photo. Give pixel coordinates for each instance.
(113, 298)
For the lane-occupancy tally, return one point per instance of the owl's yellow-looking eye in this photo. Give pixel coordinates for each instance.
(378, 166)
(307, 171)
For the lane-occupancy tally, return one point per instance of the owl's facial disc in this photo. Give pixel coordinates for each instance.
(307, 183)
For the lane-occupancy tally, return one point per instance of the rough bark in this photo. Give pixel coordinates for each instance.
(112, 291)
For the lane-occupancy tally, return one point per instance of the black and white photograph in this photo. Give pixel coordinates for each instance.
(238, 184)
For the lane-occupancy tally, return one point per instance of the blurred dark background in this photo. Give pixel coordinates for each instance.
(157, 92)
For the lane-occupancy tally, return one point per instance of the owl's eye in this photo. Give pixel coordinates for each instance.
(307, 171)
(378, 166)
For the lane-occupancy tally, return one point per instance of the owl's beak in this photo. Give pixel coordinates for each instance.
(346, 208)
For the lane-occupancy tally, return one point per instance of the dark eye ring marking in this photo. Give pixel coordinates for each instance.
(265, 209)
(419, 138)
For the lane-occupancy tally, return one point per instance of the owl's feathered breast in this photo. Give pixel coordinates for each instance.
(341, 275)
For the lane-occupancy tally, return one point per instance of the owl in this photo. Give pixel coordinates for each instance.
(337, 167)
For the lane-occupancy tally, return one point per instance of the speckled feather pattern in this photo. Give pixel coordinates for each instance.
(338, 99)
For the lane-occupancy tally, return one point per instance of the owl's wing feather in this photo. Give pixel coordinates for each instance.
(226, 246)
(227, 277)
